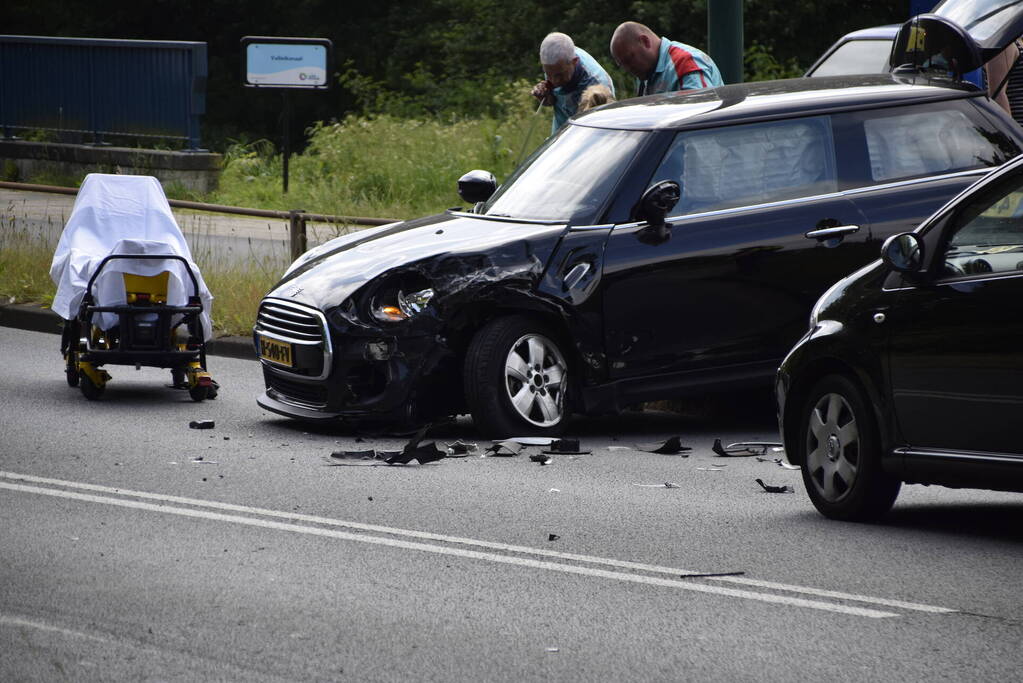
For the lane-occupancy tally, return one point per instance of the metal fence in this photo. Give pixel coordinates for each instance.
(89, 88)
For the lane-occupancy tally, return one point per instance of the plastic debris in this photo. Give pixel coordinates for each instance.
(566, 447)
(671, 446)
(665, 485)
(201, 424)
(743, 449)
(461, 449)
(424, 454)
(619, 448)
(711, 469)
(552, 537)
(780, 463)
(710, 575)
(541, 458)
(554, 491)
(503, 449)
(532, 440)
(776, 489)
(553, 649)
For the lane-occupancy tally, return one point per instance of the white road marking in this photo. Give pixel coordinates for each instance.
(424, 535)
(40, 626)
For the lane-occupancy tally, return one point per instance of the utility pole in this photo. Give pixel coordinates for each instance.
(724, 38)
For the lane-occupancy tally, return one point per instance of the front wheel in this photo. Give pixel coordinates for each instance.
(516, 379)
(90, 389)
(841, 453)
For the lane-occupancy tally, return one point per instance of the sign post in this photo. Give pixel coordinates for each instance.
(287, 64)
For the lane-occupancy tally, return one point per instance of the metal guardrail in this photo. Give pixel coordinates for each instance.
(297, 218)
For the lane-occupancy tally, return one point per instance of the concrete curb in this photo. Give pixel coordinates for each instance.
(38, 319)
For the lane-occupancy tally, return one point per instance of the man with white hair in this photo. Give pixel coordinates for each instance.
(661, 65)
(569, 70)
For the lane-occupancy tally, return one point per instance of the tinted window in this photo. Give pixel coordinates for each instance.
(570, 177)
(856, 57)
(751, 164)
(900, 143)
(988, 233)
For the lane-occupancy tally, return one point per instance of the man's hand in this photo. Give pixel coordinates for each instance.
(544, 92)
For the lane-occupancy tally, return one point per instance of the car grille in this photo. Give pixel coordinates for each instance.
(294, 323)
(299, 393)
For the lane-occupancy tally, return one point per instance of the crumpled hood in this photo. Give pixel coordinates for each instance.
(327, 275)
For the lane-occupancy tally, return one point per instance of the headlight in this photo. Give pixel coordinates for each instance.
(403, 307)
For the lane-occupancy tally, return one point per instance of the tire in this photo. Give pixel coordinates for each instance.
(841, 453)
(199, 393)
(89, 389)
(516, 379)
(71, 368)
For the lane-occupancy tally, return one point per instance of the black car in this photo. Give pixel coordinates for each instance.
(661, 246)
(912, 370)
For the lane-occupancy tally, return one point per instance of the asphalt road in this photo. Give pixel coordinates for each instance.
(123, 557)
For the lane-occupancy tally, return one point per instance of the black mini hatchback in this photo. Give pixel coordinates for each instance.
(912, 370)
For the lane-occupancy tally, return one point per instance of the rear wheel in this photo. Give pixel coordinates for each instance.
(71, 367)
(841, 453)
(516, 379)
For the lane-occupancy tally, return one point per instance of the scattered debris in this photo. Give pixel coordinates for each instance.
(776, 489)
(619, 448)
(710, 575)
(780, 463)
(744, 449)
(461, 449)
(665, 485)
(541, 458)
(424, 454)
(554, 491)
(201, 424)
(199, 460)
(711, 469)
(566, 447)
(532, 440)
(504, 449)
(552, 537)
(553, 649)
(671, 446)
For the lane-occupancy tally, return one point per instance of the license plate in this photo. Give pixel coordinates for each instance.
(276, 351)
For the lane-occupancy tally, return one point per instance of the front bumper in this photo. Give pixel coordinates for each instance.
(340, 370)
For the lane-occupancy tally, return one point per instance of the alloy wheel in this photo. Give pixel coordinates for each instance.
(832, 447)
(535, 373)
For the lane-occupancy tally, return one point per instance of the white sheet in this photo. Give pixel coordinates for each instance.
(121, 214)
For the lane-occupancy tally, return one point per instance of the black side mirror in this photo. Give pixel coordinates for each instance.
(654, 205)
(903, 252)
(477, 186)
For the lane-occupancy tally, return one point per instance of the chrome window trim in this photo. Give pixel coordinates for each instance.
(850, 193)
(328, 349)
(960, 455)
(961, 280)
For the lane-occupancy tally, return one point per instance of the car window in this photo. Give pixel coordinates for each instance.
(856, 57)
(987, 236)
(923, 143)
(751, 164)
(570, 178)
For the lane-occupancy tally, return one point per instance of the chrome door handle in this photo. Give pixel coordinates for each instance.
(831, 233)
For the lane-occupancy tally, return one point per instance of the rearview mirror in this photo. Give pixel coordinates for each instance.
(903, 252)
(477, 186)
(654, 205)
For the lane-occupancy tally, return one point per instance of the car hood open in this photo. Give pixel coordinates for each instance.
(452, 243)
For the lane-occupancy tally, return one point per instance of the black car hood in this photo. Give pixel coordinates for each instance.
(473, 246)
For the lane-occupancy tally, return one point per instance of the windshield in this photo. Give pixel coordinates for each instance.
(980, 18)
(570, 177)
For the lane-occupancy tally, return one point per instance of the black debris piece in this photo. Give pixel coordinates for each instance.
(201, 424)
(424, 454)
(776, 489)
(566, 447)
(354, 455)
(417, 437)
(460, 449)
(710, 575)
(541, 458)
(671, 446)
(552, 537)
(504, 449)
(743, 449)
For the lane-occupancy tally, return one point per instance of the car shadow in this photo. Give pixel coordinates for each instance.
(997, 521)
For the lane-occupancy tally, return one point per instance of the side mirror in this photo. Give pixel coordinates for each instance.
(654, 205)
(903, 252)
(477, 186)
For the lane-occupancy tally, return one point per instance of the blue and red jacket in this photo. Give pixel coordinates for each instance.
(680, 67)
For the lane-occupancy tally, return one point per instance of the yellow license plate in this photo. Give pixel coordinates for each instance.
(276, 351)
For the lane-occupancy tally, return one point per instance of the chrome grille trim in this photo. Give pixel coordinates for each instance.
(296, 324)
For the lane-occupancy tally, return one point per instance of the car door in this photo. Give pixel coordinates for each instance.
(734, 282)
(956, 355)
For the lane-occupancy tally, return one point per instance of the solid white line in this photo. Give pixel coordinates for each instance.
(457, 552)
(491, 545)
(27, 623)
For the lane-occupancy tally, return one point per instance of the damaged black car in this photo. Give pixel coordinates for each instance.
(663, 246)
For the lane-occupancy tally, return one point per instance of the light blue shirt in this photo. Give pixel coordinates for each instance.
(566, 98)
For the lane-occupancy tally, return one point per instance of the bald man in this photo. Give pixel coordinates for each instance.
(661, 65)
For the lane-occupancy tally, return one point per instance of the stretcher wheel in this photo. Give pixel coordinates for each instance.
(199, 392)
(71, 368)
(89, 389)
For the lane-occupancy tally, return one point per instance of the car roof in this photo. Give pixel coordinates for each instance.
(888, 31)
(759, 100)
